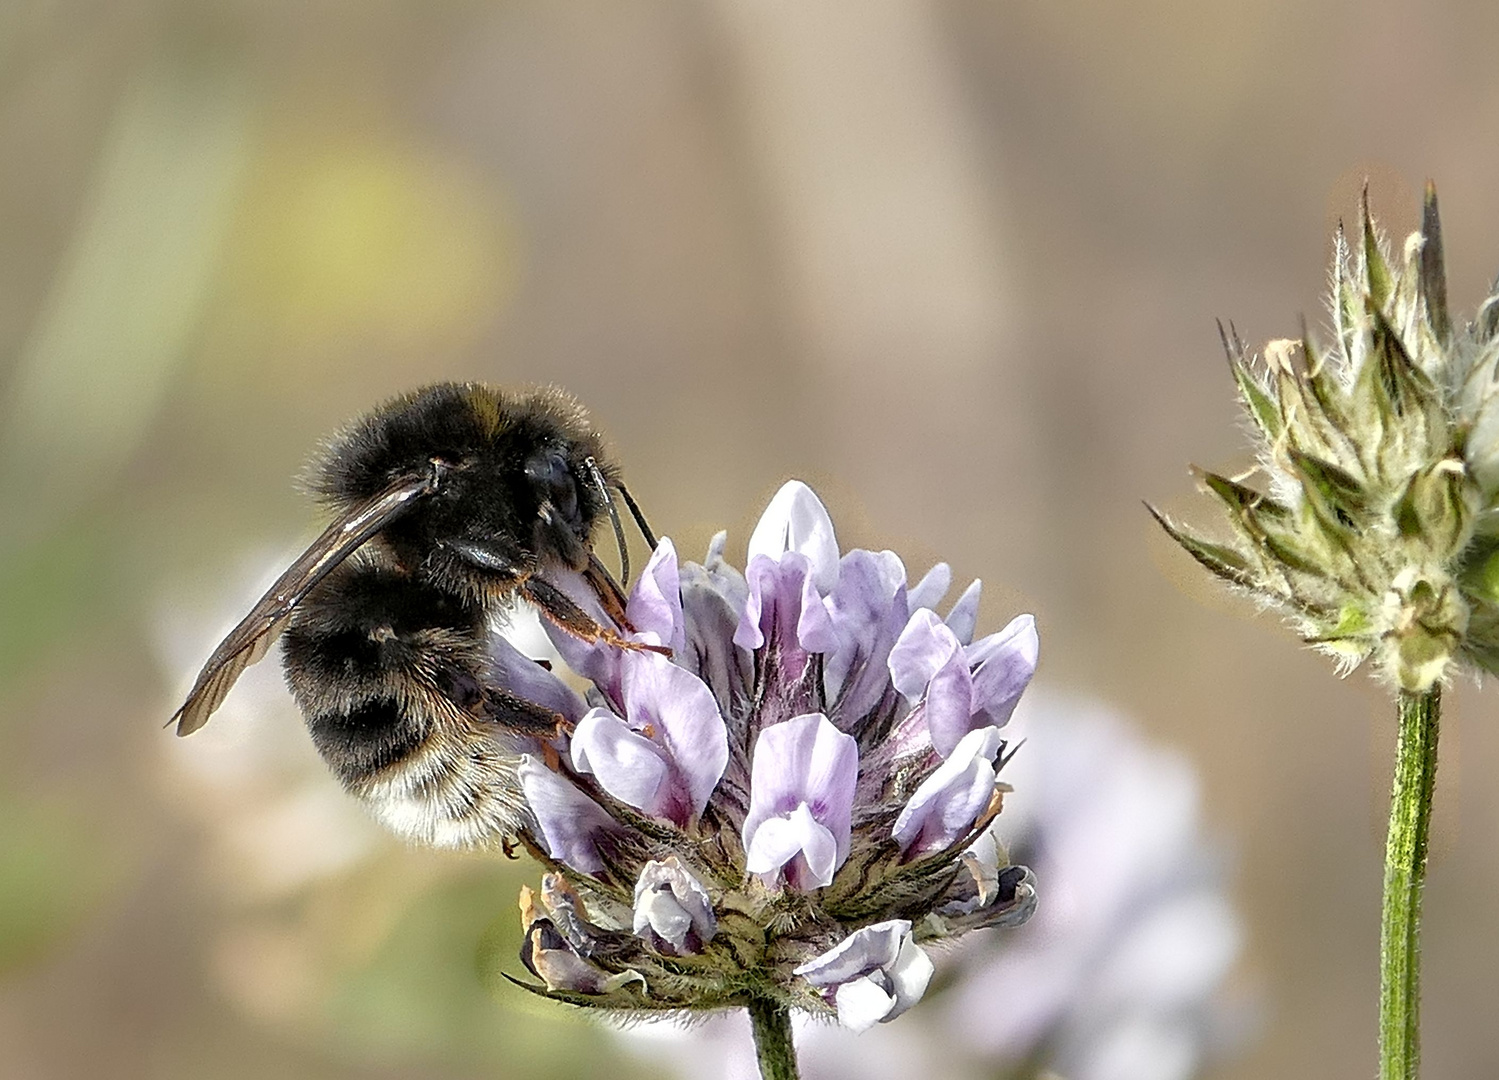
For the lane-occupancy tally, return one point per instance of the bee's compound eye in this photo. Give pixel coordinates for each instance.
(553, 481)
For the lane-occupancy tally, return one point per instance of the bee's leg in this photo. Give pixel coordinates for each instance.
(519, 715)
(610, 595)
(556, 605)
(497, 705)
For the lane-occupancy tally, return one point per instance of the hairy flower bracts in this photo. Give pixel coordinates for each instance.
(784, 811)
(1377, 532)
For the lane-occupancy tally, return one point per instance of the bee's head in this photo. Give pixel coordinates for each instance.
(520, 481)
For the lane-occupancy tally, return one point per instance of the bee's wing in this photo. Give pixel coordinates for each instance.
(258, 631)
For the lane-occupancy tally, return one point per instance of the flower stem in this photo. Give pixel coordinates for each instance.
(1404, 877)
(771, 1022)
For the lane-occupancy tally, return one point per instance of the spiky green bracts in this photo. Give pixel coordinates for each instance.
(1377, 533)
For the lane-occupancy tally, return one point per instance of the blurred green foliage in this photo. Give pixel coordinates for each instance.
(52, 872)
(420, 998)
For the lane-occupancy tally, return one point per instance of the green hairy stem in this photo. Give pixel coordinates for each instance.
(773, 1046)
(1404, 877)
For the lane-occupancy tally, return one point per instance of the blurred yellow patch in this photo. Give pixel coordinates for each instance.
(352, 232)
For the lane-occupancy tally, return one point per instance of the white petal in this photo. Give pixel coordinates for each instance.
(778, 840)
(910, 974)
(865, 950)
(862, 1003)
(797, 521)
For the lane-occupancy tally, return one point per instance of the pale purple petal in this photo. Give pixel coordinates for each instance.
(803, 762)
(931, 588)
(569, 821)
(800, 844)
(868, 949)
(876, 973)
(814, 626)
(783, 605)
(963, 617)
(1007, 660)
(518, 673)
(868, 609)
(655, 604)
(683, 718)
(796, 521)
(927, 664)
(672, 907)
(728, 581)
(628, 765)
(710, 651)
(948, 802)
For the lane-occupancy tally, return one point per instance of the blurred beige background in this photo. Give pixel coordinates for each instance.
(956, 263)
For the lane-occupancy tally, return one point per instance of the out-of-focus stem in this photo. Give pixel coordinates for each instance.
(1404, 877)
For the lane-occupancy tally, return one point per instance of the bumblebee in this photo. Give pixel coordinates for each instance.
(450, 504)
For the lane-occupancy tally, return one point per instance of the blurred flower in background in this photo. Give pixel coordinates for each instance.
(1123, 973)
(326, 929)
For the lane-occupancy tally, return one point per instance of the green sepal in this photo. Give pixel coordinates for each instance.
(1377, 281)
(1432, 507)
(1225, 562)
(1479, 577)
(1345, 306)
(1408, 389)
(1325, 386)
(1243, 503)
(1336, 496)
(1433, 268)
(1258, 403)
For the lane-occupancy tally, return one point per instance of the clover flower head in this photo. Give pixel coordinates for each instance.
(1125, 973)
(1377, 531)
(783, 810)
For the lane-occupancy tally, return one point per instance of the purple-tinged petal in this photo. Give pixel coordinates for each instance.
(709, 649)
(947, 803)
(808, 763)
(799, 843)
(931, 588)
(784, 606)
(728, 581)
(628, 765)
(865, 950)
(655, 604)
(1007, 660)
(868, 609)
(927, 664)
(925, 647)
(672, 908)
(814, 626)
(796, 521)
(875, 974)
(518, 673)
(569, 821)
(963, 617)
(763, 578)
(680, 714)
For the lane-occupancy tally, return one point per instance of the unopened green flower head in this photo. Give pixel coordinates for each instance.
(1376, 527)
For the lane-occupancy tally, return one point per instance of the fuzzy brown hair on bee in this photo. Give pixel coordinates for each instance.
(450, 503)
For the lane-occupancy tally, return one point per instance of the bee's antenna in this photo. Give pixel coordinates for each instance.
(619, 530)
(645, 528)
